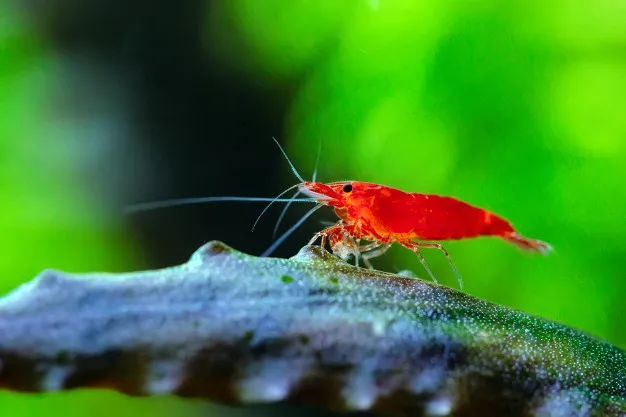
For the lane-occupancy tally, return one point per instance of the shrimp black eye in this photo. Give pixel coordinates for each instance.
(347, 188)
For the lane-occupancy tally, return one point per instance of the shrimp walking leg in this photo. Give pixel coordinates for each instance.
(339, 238)
(446, 254)
(373, 249)
(326, 233)
(374, 253)
(343, 244)
(416, 248)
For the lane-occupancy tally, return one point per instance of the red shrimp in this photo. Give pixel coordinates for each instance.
(384, 215)
(381, 216)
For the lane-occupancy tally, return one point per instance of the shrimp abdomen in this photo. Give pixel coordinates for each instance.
(442, 218)
(455, 219)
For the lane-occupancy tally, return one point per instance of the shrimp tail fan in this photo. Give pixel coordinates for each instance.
(529, 244)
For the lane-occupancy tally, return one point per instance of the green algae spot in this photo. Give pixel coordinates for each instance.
(247, 336)
(334, 280)
(63, 356)
(286, 279)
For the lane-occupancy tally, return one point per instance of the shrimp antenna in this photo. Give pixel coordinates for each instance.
(282, 214)
(285, 235)
(272, 202)
(197, 200)
(293, 168)
(317, 161)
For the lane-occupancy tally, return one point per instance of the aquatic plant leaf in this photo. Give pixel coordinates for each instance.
(238, 329)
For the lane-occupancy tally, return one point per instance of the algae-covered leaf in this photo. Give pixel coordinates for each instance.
(234, 328)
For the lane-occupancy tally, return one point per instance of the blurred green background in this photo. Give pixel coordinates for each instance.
(518, 107)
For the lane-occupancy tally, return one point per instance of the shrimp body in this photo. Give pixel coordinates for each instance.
(381, 216)
(384, 215)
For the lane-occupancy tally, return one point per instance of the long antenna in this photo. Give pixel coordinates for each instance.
(282, 215)
(272, 202)
(317, 162)
(198, 200)
(293, 168)
(285, 235)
